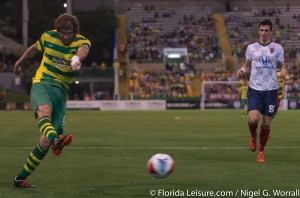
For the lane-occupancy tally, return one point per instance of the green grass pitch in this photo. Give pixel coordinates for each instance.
(110, 151)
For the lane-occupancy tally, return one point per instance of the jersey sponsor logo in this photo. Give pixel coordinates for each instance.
(265, 60)
(264, 67)
(60, 62)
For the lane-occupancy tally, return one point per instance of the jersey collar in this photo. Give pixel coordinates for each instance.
(265, 44)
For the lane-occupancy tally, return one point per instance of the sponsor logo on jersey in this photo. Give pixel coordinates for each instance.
(264, 60)
(264, 67)
(60, 62)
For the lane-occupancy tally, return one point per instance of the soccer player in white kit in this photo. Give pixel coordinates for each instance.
(261, 60)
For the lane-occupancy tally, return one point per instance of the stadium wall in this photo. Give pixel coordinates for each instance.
(136, 105)
(110, 105)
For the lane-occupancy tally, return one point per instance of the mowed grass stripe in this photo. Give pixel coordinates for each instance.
(109, 154)
(150, 148)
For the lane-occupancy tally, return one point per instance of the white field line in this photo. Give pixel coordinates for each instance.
(151, 148)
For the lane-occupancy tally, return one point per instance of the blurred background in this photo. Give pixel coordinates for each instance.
(159, 49)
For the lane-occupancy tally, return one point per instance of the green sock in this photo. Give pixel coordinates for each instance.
(46, 128)
(32, 162)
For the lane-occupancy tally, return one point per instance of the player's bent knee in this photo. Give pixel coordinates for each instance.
(44, 110)
(253, 120)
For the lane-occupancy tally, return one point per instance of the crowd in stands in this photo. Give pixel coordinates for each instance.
(147, 37)
(148, 34)
(242, 28)
(293, 84)
(149, 30)
(176, 83)
(145, 83)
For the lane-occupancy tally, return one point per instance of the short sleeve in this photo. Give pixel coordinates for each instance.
(280, 54)
(40, 43)
(248, 53)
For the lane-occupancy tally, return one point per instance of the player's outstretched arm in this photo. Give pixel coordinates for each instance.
(81, 54)
(29, 53)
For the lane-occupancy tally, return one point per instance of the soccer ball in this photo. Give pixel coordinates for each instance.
(160, 165)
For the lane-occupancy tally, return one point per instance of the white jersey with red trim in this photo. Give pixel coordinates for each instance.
(264, 59)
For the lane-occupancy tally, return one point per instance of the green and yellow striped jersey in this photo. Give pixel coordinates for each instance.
(55, 67)
(280, 81)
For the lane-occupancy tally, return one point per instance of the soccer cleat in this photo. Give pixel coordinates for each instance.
(60, 142)
(260, 157)
(23, 183)
(252, 144)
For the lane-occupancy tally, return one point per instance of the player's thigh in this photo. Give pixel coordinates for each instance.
(53, 96)
(59, 109)
(58, 120)
(255, 101)
(39, 96)
(270, 103)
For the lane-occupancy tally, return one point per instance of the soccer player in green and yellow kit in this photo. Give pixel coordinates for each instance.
(280, 86)
(63, 50)
(281, 83)
(243, 95)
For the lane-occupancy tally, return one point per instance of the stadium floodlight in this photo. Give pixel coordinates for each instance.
(174, 56)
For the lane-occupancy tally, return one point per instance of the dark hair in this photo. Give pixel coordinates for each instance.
(63, 19)
(266, 22)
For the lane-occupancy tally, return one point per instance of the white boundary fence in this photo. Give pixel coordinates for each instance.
(117, 104)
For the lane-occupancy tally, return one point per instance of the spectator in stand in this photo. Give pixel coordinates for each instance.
(103, 66)
(94, 65)
(87, 96)
(228, 6)
(145, 42)
(122, 49)
(107, 96)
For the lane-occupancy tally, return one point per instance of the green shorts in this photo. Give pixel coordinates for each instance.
(54, 96)
(244, 102)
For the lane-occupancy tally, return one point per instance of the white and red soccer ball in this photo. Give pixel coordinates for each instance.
(160, 165)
